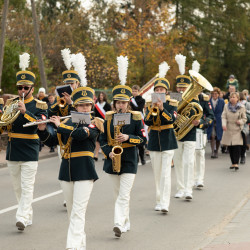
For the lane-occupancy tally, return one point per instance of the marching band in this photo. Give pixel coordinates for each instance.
(172, 126)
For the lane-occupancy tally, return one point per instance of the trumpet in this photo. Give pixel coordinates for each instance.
(61, 102)
(155, 111)
(29, 124)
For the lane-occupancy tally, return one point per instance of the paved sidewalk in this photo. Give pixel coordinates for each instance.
(42, 155)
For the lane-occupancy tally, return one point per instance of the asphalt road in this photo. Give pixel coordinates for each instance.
(188, 225)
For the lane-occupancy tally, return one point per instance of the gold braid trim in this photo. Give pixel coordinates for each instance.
(64, 111)
(64, 149)
(136, 115)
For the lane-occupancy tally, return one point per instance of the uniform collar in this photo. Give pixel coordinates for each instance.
(27, 100)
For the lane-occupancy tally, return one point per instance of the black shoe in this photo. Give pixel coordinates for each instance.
(52, 150)
(243, 160)
(143, 162)
(20, 226)
(231, 167)
(117, 232)
(95, 158)
(236, 168)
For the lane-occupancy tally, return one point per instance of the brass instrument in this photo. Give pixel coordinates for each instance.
(117, 150)
(10, 113)
(183, 123)
(61, 102)
(155, 111)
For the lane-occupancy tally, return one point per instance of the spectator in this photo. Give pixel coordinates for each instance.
(41, 95)
(137, 103)
(231, 89)
(246, 94)
(101, 107)
(245, 130)
(232, 81)
(233, 120)
(215, 131)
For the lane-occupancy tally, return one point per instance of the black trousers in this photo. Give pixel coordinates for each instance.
(243, 147)
(234, 152)
(141, 151)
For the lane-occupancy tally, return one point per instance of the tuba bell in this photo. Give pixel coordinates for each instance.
(10, 113)
(189, 111)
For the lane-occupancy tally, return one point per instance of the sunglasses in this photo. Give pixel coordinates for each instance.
(23, 87)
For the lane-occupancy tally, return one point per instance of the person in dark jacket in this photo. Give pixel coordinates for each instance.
(101, 107)
(137, 103)
(162, 142)
(77, 171)
(127, 137)
(23, 145)
(215, 131)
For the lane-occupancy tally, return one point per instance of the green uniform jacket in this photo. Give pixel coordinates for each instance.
(129, 157)
(19, 147)
(79, 163)
(208, 114)
(59, 111)
(162, 139)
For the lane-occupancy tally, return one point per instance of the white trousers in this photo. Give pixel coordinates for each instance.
(199, 165)
(122, 185)
(184, 166)
(77, 196)
(23, 178)
(161, 164)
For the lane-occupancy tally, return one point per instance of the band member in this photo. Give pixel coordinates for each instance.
(128, 137)
(205, 121)
(184, 155)
(162, 141)
(77, 171)
(137, 104)
(101, 107)
(23, 144)
(69, 77)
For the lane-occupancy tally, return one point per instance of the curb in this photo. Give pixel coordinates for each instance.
(50, 155)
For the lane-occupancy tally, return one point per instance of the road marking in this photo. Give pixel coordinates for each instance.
(35, 200)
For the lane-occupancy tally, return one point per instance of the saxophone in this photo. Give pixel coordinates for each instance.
(117, 149)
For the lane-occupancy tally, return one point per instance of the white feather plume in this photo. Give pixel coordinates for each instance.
(24, 61)
(196, 66)
(122, 62)
(163, 69)
(181, 60)
(79, 64)
(66, 58)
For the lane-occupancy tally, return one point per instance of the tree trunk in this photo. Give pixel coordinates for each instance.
(38, 46)
(2, 39)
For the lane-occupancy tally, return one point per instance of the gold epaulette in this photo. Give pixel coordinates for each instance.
(8, 101)
(173, 102)
(1, 101)
(136, 115)
(99, 123)
(65, 120)
(108, 115)
(205, 97)
(41, 104)
(167, 97)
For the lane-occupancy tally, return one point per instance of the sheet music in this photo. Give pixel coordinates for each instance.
(78, 117)
(122, 119)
